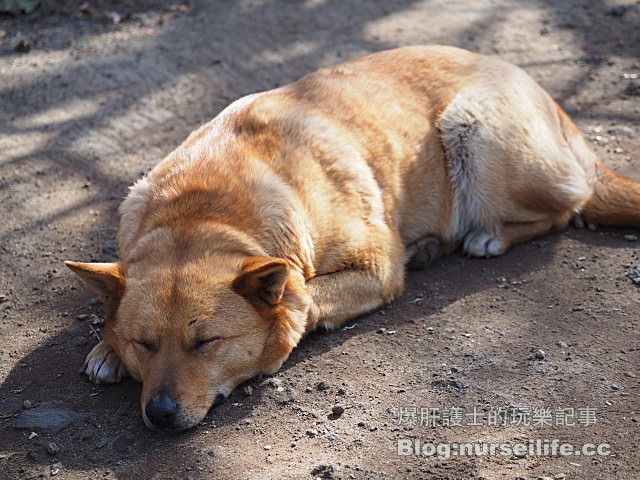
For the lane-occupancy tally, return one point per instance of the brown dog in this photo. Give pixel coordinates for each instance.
(300, 207)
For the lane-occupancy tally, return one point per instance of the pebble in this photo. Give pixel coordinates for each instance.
(323, 471)
(273, 382)
(287, 396)
(634, 275)
(46, 420)
(631, 238)
(539, 355)
(562, 344)
(23, 46)
(103, 442)
(52, 448)
(621, 130)
(322, 386)
(312, 433)
(619, 11)
(337, 410)
(55, 468)
(28, 405)
(268, 447)
(615, 386)
(122, 444)
(632, 90)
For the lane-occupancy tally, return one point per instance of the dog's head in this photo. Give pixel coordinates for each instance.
(192, 332)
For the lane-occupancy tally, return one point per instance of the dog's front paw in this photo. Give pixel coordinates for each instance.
(480, 244)
(103, 365)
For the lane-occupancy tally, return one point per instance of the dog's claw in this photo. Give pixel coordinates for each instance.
(103, 365)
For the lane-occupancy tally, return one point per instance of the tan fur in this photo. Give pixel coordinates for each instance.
(298, 208)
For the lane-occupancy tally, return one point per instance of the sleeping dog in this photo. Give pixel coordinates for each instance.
(302, 207)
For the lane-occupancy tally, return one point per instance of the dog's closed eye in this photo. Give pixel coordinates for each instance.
(145, 346)
(204, 343)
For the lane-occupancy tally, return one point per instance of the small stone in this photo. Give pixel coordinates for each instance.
(82, 317)
(337, 410)
(323, 471)
(46, 420)
(632, 90)
(621, 130)
(562, 344)
(273, 382)
(539, 355)
(615, 386)
(560, 476)
(32, 435)
(312, 433)
(287, 395)
(619, 11)
(28, 405)
(634, 275)
(268, 447)
(322, 386)
(631, 238)
(23, 46)
(122, 444)
(103, 442)
(55, 468)
(52, 448)
(381, 330)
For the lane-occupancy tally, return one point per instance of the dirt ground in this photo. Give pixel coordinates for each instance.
(542, 343)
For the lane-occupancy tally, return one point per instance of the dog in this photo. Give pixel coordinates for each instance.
(302, 207)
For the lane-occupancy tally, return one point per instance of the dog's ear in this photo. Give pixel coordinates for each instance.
(263, 279)
(105, 279)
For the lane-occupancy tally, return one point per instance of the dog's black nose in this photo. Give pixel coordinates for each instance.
(161, 410)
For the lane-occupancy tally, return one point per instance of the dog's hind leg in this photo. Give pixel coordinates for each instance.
(514, 174)
(479, 244)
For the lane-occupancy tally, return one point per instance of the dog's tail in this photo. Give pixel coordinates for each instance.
(615, 200)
